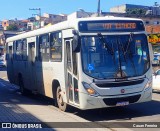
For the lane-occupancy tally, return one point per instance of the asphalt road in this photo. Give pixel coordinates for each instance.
(18, 108)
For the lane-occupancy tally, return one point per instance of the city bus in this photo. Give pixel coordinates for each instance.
(87, 63)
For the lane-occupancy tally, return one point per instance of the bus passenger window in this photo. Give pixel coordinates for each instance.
(19, 50)
(7, 51)
(24, 49)
(14, 50)
(68, 49)
(56, 46)
(10, 52)
(44, 47)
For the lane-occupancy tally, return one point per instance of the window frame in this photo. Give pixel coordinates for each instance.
(60, 46)
(18, 57)
(42, 57)
(24, 57)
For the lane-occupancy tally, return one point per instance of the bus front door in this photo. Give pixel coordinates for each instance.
(71, 74)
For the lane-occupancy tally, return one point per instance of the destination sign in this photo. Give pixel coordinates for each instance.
(119, 25)
(111, 26)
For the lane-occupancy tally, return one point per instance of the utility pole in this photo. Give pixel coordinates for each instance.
(99, 8)
(38, 9)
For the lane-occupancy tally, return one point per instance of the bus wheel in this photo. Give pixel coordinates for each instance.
(59, 100)
(21, 85)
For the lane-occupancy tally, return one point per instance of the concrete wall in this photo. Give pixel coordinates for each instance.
(118, 9)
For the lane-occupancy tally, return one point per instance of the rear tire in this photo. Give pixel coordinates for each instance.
(22, 89)
(59, 100)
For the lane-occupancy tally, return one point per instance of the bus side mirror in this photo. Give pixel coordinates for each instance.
(76, 43)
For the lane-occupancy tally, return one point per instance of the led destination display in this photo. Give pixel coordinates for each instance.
(111, 26)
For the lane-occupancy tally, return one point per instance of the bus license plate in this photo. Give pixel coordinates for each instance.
(122, 103)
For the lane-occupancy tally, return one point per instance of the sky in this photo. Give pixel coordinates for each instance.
(11, 9)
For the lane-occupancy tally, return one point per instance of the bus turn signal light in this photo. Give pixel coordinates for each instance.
(89, 89)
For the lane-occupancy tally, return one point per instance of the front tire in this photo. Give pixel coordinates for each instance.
(21, 85)
(60, 102)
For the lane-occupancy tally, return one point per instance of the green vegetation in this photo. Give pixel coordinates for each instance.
(12, 27)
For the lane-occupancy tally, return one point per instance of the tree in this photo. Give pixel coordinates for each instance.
(12, 27)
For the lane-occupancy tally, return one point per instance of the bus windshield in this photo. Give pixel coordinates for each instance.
(115, 56)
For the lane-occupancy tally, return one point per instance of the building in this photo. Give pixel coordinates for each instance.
(3, 36)
(81, 14)
(42, 21)
(30, 24)
(149, 10)
(6, 23)
(21, 24)
(125, 7)
(53, 18)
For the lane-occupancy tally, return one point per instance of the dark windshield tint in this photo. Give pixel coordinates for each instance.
(115, 56)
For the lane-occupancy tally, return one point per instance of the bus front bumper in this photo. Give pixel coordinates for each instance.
(91, 102)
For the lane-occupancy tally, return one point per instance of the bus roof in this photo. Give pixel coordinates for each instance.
(70, 23)
(107, 18)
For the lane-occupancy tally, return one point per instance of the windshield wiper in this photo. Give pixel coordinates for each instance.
(129, 42)
(119, 58)
(130, 55)
(123, 51)
(105, 45)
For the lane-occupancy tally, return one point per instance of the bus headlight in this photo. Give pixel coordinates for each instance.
(89, 89)
(148, 85)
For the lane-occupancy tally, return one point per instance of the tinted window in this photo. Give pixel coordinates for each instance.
(24, 49)
(19, 50)
(14, 50)
(115, 56)
(10, 51)
(44, 47)
(56, 46)
(68, 49)
(74, 59)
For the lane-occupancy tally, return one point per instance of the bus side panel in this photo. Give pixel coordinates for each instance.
(46, 72)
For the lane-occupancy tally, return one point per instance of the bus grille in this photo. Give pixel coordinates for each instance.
(114, 101)
(119, 84)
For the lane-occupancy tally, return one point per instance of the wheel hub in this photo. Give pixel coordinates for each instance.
(60, 99)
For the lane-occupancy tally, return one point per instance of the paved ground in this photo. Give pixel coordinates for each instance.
(34, 108)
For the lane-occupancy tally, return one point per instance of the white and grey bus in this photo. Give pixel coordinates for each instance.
(87, 63)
